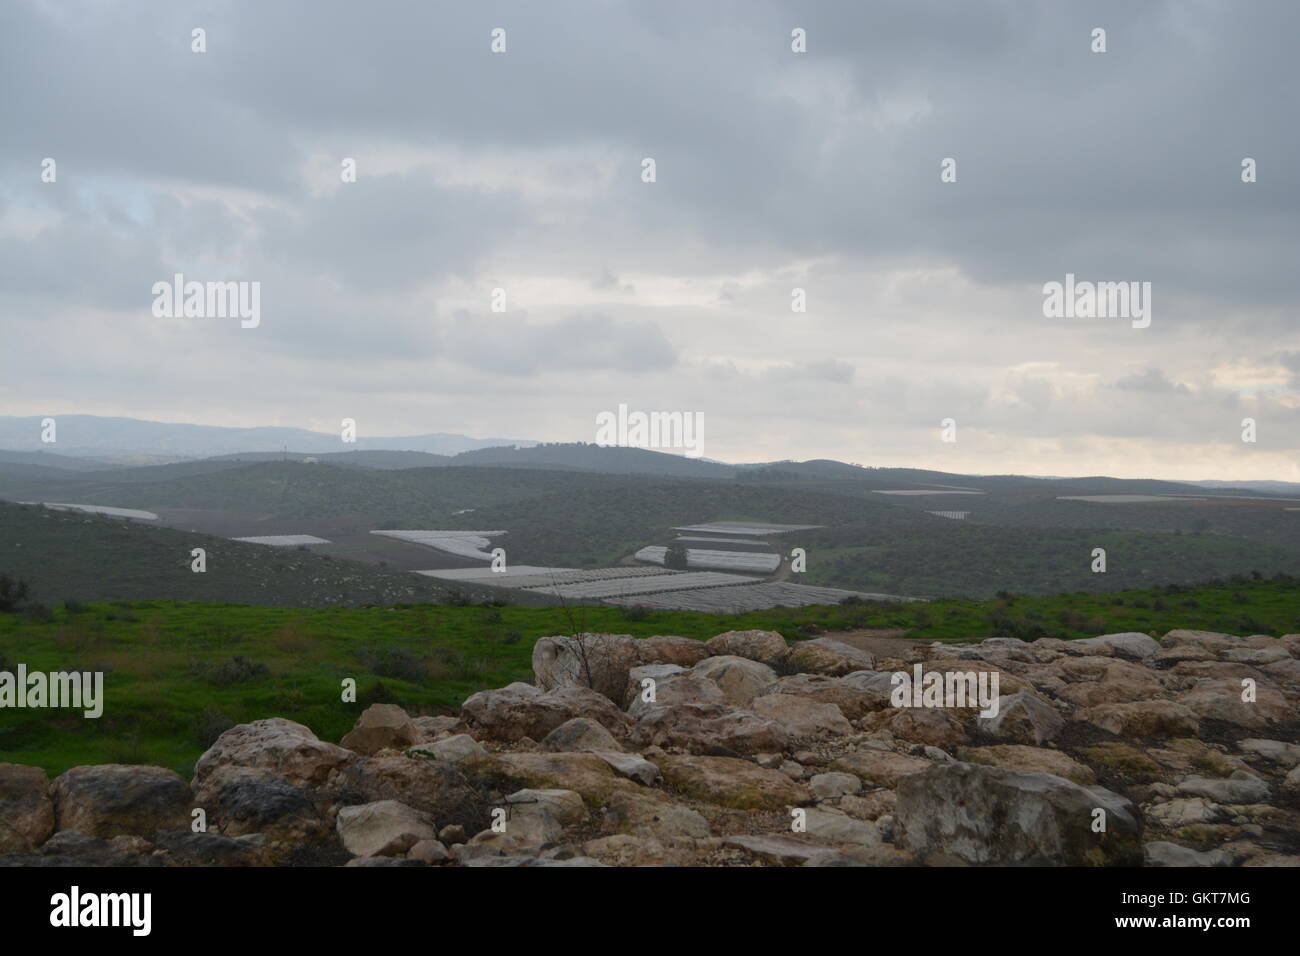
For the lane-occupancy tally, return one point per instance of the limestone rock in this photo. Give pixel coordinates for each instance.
(116, 799)
(26, 809)
(598, 661)
(379, 727)
(987, 815)
(767, 647)
(1130, 645)
(800, 716)
(880, 768)
(833, 785)
(383, 828)
(1023, 719)
(456, 748)
(1035, 759)
(1144, 718)
(283, 748)
(580, 733)
(733, 783)
(823, 655)
(739, 678)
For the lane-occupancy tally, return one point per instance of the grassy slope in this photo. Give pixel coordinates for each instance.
(64, 554)
(167, 695)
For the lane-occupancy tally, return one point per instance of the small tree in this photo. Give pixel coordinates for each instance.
(12, 593)
(675, 556)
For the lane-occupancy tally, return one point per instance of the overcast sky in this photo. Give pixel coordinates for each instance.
(522, 170)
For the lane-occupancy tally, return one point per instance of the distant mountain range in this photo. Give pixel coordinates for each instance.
(112, 439)
(156, 451)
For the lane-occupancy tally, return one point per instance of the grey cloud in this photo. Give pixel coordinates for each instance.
(510, 344)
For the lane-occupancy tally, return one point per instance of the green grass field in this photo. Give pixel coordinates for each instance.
(177, 674)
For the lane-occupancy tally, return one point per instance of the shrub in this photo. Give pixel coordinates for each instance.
(13, 593)
(211, 725)
(377, 693)
(395, 663)
(238, 670)
(39, 614)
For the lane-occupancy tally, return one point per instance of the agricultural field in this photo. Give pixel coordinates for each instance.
(1022, 533)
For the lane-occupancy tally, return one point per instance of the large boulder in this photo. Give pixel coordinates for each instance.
(1023, 719)
(584, 773)
(514, 711)
(766, 647)
(121, 799)
(852, 701)
(1114, 682)
(802, 717)
(823, 655)
(649, 813)
(668, 649)
(678, 687)
(1143, 718)
(876, 688)
(838, 828)
(241, 800)
(283, 748)
(633, 766)
(598, 661)
(435, 787)
(932, 726)
(522, 710)
(383, 828)
(880, 768)
(701, 728)
(1210, 640)
(1222, 700)
(1036, 759)
(381, 726)
(455, 748)
(739, 678)
(733, 783)
(987, 815)
(1130, 644)
(580, 733)
(26, 810)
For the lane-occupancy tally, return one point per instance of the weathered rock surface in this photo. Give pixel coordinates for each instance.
(281, 747)
(739, 751)
(26, 809)
(987, 815)
(383, 828)
(379, 727)
(733, 783)
(739, 678)
(824, 655)
(766, 647)
(800, 716)
(121, 799)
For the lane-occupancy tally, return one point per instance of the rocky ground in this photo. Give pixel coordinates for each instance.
(1117, 750)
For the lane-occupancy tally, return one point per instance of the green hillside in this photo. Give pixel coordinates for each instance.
(178, 674)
